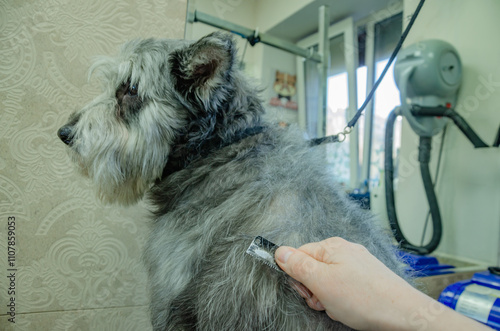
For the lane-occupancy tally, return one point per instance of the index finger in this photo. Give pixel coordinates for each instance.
(324, 250)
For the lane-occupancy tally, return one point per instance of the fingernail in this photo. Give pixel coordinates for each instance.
(283, 253)
(303, 292)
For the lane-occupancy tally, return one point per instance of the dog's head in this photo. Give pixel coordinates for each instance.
(158, 95)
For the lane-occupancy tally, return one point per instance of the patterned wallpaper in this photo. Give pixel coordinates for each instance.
(67, 262)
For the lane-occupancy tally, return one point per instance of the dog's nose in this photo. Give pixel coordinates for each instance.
(65, 134)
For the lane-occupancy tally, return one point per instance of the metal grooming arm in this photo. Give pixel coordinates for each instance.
(250, 34)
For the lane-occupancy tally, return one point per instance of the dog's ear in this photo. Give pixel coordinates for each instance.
(203, 65)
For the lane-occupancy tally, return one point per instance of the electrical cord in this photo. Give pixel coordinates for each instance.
(436, 176)
(424, 151)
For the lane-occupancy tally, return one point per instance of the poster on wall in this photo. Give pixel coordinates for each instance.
(285, 92)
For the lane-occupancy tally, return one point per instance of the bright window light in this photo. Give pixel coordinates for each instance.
(386, 99)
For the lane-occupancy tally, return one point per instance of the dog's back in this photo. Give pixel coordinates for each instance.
(270, 184)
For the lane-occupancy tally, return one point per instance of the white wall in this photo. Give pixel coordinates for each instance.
(469, 185)
(272, 12)
(79, 262)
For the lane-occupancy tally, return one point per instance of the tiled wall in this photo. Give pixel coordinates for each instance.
(77, 263)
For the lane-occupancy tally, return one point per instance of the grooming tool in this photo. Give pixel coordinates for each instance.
(263, 250)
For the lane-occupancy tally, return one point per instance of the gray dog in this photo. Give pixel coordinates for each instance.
(178, 120)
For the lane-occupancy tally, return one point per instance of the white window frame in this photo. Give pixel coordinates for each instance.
(347, 28)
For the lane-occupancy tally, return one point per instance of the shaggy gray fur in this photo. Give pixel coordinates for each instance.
(179, 120)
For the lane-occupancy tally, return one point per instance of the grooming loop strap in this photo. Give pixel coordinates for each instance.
(342, 135)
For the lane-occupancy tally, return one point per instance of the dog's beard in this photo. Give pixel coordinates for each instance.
(108, 176)
(122, 160)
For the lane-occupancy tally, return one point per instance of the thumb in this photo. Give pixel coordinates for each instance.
(298, 265)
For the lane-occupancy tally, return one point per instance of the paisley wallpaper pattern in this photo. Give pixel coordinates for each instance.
(78, 262)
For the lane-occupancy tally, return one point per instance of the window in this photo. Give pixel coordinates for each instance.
(337, 155)
(357, 162)
(385, 100)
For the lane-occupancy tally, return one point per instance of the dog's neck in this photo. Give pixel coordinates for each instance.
(184, 156)
(214, 125)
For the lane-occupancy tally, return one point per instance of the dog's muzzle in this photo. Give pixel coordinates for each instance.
(65, 133)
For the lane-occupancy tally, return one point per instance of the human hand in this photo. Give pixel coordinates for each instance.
(346, 281)
(355, 288)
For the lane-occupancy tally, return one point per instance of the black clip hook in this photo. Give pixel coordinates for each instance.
(254, 39)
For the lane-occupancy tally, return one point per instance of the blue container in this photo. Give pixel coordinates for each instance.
(423, 265)
(477, 298)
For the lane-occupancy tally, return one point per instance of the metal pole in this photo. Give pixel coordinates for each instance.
(351, 62)
(264, 38)
(370, 78)
(324, 51)
(301, 92)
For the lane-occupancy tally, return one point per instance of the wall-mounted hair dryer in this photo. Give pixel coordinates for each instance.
(428, 75)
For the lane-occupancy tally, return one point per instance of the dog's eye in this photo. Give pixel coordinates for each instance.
(132, 90)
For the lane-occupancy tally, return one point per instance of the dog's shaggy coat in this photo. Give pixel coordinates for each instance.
(179, 120)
